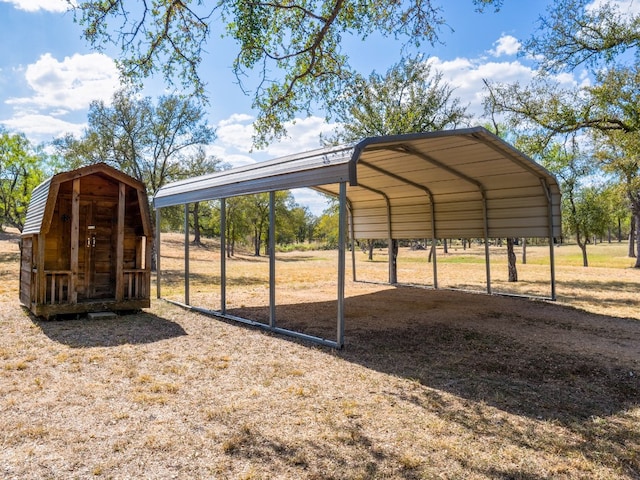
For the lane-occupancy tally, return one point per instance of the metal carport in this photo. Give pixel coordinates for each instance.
(465, 183)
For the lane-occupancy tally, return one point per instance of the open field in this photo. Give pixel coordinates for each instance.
(431, 384)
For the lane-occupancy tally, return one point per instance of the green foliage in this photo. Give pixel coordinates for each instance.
(576, 32)
(296, 226)
(154, 143)
(408, 98)
(20, 173)
(327, 227)
(289, 52)
(604, 114)
(586, 214)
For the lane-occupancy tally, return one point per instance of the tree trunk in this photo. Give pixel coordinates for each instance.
(632, 238)
(393, 262)
(619, 235)
(370, 249)
(196, 224)
(511, 255)
(445, 246)
(229, 239)
(583, 247)
(256, 243)
(637, 216)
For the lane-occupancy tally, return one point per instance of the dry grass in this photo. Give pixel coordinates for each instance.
(431, 384)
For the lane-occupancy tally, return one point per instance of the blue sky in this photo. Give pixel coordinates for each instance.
(49, 75)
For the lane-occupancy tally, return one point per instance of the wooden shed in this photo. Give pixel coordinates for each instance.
(86, 244)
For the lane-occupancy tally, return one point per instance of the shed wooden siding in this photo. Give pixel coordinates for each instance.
(88, 236)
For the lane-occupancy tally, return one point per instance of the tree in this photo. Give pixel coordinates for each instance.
(237, 223)
(597, 36)
(20, 173)
(619, 154)
(328, 225)
(152, 143)
(583, 32)
(296, 225)
(409, 98)
(199, 163)
(293, 48)
(511, 260)
(257, 212)
(618, 207)
(583, 209)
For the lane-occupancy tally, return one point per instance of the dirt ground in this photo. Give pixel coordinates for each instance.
(431, 383)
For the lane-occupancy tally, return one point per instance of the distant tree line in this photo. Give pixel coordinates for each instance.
(587, 134)
(156, 143)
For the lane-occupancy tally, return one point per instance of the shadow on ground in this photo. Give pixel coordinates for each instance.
(506, 352)
(529, 358)
(134, 328)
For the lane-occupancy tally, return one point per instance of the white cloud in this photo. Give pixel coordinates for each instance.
(302, 135)
(40, 128)
(70, 84)
(236, 118)
(234, 144)
(624, 6)
(236, 132)
(505, 45)
(35, 5)
(466, 76)
(231, 159)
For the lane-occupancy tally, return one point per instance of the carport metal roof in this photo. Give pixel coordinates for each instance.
(465, 183)
(434, 184)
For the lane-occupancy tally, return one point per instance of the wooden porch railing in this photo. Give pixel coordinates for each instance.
(57, 284)
(135, 283)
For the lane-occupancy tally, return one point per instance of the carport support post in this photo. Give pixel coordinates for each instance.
(158, 253)
(353, 244)
(487, 257)
(272, 259)
(223, 256)
(341, 262)
(552, 261)
(434, 242)
(186, 254)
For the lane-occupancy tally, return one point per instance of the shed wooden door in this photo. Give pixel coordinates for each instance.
(97, 249)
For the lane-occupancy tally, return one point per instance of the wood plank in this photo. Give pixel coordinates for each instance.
(120, 242)
(49, 207)
(25, 271)
(75, 237)
(143, 206)
(41, 286)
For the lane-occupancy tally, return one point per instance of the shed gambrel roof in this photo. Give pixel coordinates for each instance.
(43, 197)
(464, 183)
(37, 206)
